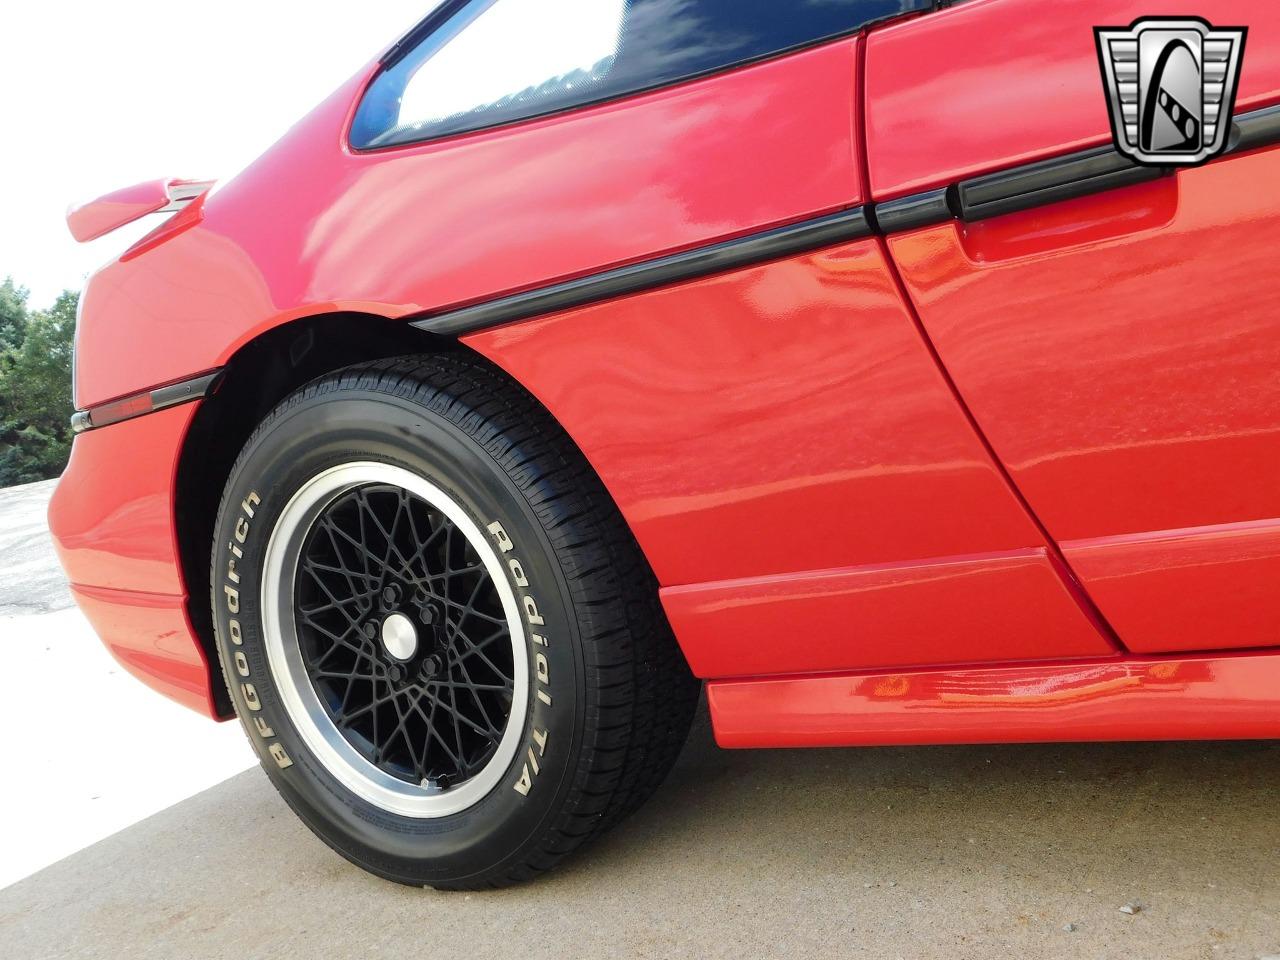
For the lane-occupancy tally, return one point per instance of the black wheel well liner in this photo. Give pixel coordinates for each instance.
(257, 377)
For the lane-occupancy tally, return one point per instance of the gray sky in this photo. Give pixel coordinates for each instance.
(95, 96)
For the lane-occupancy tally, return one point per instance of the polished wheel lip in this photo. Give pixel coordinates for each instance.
(299, 697)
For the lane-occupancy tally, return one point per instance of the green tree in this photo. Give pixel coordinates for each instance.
(35, 387)
(13, 313)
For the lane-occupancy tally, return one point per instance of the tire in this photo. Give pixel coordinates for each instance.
(390, 533)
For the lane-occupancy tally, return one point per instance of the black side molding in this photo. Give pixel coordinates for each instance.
(977, 198)
(728, 255)
(1255, 129)
(149, 401)
(1006, 191)
(1049, 181)
(916, 210)
(1053, 180)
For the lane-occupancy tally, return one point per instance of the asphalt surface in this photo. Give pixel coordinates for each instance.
(966, 852)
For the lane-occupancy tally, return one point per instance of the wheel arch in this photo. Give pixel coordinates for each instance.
(258, 376)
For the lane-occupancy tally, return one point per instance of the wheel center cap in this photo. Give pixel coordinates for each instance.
(399, 637)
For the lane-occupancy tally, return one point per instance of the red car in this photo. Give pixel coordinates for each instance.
(578, 351)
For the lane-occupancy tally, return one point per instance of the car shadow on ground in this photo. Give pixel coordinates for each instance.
(911, 852)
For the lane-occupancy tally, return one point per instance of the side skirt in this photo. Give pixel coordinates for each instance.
(1201, 697)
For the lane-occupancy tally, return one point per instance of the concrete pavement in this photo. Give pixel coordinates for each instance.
(32, 581)
(88, 750)
(914, 853)
(966, 852)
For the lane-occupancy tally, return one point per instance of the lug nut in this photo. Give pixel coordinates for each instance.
(396, 673)
(430, 667)
(390, 593)
(428, 614)
(371, 629)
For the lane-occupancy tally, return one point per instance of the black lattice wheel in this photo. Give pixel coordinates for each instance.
(403, 636)
(396, 638)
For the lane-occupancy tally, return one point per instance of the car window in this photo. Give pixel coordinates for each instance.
(488, 62)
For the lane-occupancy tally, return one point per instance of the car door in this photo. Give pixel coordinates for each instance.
(1116, 336)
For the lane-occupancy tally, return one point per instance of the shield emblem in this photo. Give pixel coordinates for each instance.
(1171, 87)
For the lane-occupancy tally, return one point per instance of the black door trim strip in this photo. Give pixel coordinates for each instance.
(1049, 181)
(1058, 178)
(717, 258)
(1257, 128)
(916, 210)
(977, 198)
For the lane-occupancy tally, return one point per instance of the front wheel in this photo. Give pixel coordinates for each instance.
(438, 633)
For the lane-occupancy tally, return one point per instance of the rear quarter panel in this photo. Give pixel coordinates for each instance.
(313, 227)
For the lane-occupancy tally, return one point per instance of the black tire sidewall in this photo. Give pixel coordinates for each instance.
(322, 429)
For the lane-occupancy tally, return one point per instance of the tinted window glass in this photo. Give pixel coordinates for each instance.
(495, 61)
